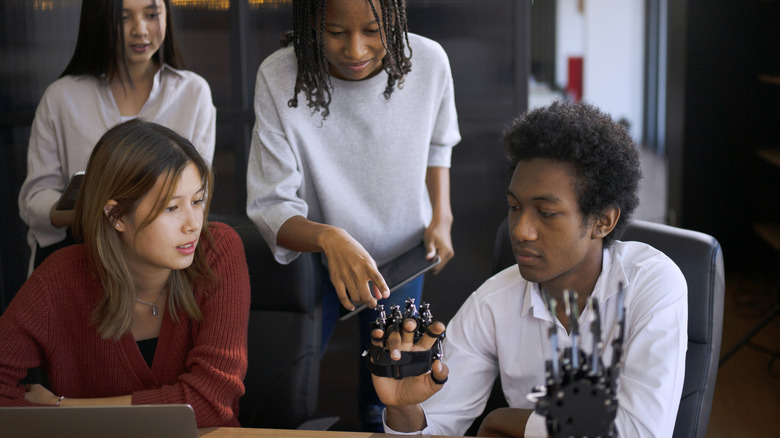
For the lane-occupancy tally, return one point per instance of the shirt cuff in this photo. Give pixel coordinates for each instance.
(439, 156)
(391, 431)
(39, 219)
(536, 426)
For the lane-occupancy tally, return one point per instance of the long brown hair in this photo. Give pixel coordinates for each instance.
(124, 166)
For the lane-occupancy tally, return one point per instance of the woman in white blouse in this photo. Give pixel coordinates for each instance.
(125, 65)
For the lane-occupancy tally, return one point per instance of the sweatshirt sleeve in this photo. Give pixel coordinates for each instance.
(446, 133)
(274, 175)
(216, 365)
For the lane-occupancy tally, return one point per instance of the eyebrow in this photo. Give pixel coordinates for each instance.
(542, 197)
(336, 24)
(202, 189)
(151, 6)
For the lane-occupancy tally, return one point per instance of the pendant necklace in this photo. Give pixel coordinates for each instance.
(155, 309)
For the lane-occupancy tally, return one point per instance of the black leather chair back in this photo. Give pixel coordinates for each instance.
(282, 380)
(700, 258)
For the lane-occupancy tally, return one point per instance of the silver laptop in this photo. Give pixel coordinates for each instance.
(147, 421)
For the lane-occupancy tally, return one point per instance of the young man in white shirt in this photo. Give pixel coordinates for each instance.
(574, 184)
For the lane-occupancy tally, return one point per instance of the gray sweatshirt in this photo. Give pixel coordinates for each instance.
(361, 169)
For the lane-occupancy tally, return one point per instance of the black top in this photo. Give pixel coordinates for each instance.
(147, 347)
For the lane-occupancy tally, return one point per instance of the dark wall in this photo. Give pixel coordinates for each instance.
(486, 40)
(718, 114)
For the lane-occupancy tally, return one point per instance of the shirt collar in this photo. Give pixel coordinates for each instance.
(611, 270)
(533, 302)
(167, 67)
(103, 77)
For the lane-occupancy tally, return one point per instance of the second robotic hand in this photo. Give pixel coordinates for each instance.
(572, 313)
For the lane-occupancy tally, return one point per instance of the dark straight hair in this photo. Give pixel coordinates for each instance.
(100, 47)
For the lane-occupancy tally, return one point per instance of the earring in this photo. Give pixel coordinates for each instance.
(117, 224)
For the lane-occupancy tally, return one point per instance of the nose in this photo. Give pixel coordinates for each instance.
(356, 47)
(193, 219)
(138, 27)
(522, 228)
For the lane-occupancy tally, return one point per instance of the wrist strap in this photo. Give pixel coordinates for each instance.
(411, 363)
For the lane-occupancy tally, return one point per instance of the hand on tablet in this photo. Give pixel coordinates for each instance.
(438, 240)
(61, 218)
(62, 212)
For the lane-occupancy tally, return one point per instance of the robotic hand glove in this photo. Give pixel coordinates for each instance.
(580, 395)
(411, 363)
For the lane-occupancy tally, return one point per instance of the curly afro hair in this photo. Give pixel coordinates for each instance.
(602, 151)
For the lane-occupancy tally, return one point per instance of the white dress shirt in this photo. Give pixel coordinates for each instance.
(502, 328)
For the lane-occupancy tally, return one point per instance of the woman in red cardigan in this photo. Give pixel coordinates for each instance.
(153, 307)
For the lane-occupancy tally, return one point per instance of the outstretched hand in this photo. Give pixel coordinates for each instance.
(351, 268)
(410, 390)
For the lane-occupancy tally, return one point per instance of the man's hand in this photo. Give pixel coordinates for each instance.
(402, 397)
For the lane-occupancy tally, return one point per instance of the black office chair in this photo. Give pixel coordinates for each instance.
(700, 259)
(282, 379)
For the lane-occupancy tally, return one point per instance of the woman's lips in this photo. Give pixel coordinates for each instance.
(187, 248)
(526, 258)
(139, 48)
(357, 67)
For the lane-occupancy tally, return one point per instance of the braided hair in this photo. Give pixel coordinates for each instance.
(307, 39)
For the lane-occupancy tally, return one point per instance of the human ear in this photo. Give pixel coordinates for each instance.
(606, 222)
(108, 211)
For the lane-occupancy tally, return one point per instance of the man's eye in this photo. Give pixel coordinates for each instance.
(547, 213)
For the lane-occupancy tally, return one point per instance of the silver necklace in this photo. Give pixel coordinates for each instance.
(155, 309)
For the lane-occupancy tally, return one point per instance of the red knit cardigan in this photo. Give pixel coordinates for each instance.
(199, 363)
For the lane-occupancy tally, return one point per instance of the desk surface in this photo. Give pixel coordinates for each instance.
(237, 432)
